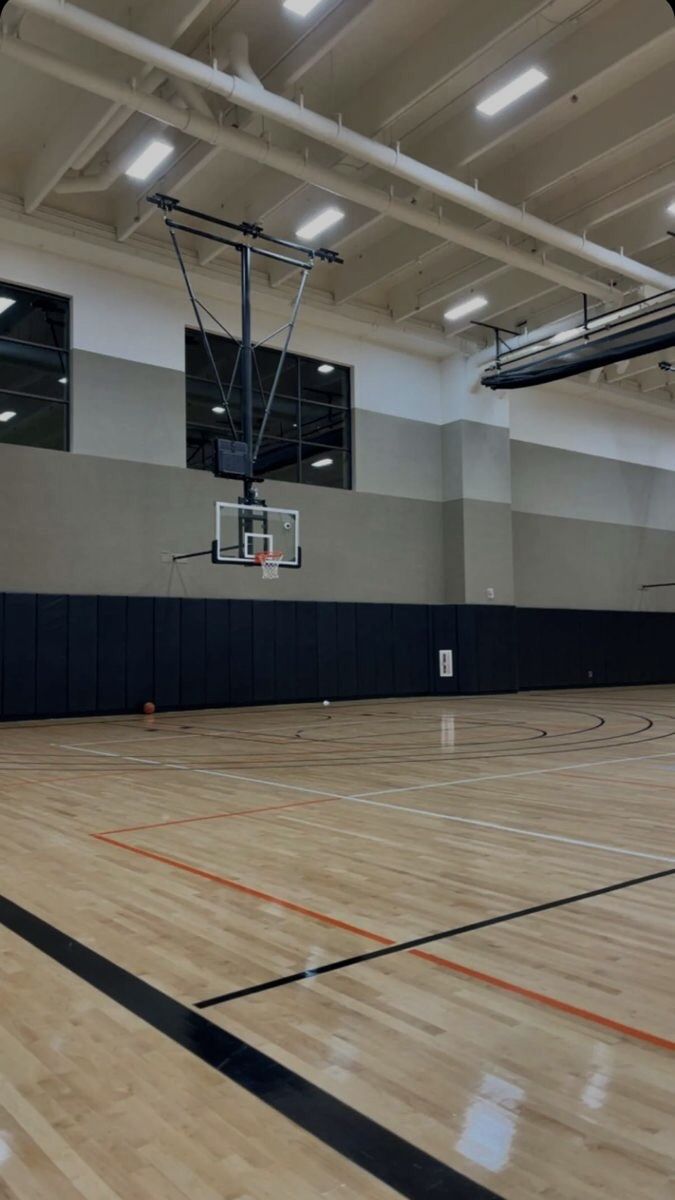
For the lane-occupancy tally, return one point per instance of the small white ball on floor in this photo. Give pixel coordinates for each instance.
(326, 703)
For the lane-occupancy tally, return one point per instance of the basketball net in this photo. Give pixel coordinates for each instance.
(270, 561)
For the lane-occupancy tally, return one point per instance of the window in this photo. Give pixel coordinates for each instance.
(34, 368)
(308, 433)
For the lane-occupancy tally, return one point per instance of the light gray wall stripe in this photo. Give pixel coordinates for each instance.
(562, 483)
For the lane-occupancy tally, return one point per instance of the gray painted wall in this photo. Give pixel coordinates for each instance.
(81, 524)
(588, 531)
(129, 410)
(397, 457)
(564, 563)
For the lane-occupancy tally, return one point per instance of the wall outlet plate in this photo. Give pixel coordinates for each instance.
(490, 593)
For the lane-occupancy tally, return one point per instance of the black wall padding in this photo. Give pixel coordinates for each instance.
(443, 636)
(241, 651)
(307, 655)
(217, 653)
(111, 653)
(285, 649)
(166, 636)
(86, 654)
(346, 650)
(410, 632)
(140, 674)
(374, 650)
(19, 656)
(82, 654)
(327, 650)
(193, 654)
(264, 659)
(51, 658)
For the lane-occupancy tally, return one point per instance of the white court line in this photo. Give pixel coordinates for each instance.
(547, 837)
(153, 762)
(604, 762)
(366, 837)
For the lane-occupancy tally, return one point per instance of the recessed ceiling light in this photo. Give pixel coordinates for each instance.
(302, 8)
(323, 462)
(322, 221)
(7, 416)
(149, 160)
(218, 409)
(671, 209)
(566, 335)
(466, 307)
(5, 303)
(325, 369)
(518, 87)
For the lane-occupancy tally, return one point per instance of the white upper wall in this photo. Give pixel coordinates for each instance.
(550, 417)
(126, 316)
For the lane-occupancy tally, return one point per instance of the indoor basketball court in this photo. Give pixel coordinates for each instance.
(337, 606)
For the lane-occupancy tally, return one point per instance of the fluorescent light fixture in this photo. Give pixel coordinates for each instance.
(518, 87)
(466, 307)
(670, 209)
(7, 416)
(325, 369)
(149, 160)
(322, 221)
(63, 379)
(566, 335)
(218, 409)
(5, 303)
(301, 8)
(323, 462)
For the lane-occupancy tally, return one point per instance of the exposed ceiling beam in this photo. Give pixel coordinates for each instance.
(132, 211)
(165, 20)
(333, 133)
(420, 70)
(537, 171)
(249, 147)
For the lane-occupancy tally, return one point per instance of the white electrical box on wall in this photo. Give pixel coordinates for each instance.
(445, 663)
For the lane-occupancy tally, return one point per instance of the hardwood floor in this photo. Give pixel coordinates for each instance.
(212, 854)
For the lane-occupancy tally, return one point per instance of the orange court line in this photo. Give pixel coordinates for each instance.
(550, 1001)
(248, 891)
(242, 812)
(448, 964)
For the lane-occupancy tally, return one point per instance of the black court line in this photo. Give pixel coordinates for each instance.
(387, 1157)
(426, 940)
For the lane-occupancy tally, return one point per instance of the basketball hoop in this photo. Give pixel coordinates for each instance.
(270, 561)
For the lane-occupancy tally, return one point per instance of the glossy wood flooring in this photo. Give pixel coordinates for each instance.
(225, 857)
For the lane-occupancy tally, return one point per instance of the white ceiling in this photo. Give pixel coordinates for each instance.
(591, 150)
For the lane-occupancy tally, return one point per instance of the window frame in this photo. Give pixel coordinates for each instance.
(344, 409)
(66, 350)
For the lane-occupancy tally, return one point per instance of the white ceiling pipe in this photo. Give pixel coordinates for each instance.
(193, 97)
(333, 133)
(236, 49)
(293, 164)
(100, 182)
